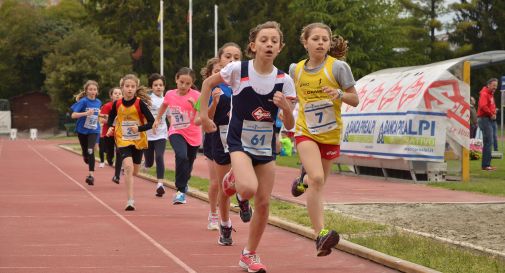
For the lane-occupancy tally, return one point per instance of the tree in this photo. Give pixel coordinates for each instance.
(27, 33)
(76, 59)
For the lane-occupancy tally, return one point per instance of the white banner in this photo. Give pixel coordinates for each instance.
(407, 113)
(5, 122)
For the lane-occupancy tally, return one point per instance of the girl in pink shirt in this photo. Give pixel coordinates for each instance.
(184, 136)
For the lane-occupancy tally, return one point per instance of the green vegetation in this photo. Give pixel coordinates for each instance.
(386, 239)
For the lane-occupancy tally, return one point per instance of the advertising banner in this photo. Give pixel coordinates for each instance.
(407, 113)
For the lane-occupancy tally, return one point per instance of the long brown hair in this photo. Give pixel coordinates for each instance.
(338, 45)
(82, 94)
(141, 92)
(206, 71)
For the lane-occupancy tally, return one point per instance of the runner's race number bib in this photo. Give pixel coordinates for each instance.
(127, 132)
(257, 137)
(320, 117)
(223, 131)
(91, 121)
(178, 119)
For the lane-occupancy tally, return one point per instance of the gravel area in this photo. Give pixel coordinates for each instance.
(482, 225)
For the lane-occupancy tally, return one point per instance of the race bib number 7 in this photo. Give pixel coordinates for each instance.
(320, 117)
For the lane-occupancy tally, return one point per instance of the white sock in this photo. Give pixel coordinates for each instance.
(239, 197)
(226, 223)
(245, 251)
(160, 184)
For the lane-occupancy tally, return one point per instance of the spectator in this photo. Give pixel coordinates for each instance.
(486, 114)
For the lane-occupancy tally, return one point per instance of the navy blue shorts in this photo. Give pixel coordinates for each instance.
(219, 155)
(207, 145)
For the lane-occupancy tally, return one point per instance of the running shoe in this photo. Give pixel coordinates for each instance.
(115, 179)
(130, 205)
(229, 184)
(101, 165)
(245, 210)
(179, 198)
(90, 180)
(251, 262)
(298, 187)
(326, 240)
(160, 191)
(225, 236)
(213, 222)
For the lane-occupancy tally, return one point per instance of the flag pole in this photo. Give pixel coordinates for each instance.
(190, 19)
(215, 29)
(161, 38)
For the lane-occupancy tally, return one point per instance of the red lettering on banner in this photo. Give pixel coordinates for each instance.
(372, 96)
(411, 92)
(458, 108)
(390, 95)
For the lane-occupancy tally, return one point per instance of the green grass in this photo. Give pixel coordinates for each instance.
(383, 238)
(487, 182)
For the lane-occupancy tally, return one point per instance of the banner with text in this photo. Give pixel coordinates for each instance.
(407, 113)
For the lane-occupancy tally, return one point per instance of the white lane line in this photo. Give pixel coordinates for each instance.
(137, 229)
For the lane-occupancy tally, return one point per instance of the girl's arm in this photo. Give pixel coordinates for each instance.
(148, 115)
(82, 114)
(110, 120)
(287, 113)
(216, 93)
(207, 124)
(350, 96)
(161, 111)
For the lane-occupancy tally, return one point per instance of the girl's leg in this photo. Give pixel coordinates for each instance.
(192, 152)
(159, 151)
(117, 166)
(91, 152)
(129, 169)
(101, 149)
(223, 199)
(109, 149)
(315, 178)
(265, 174)
(149, 154)
(213, 186)
(181, 161)
(83, 141)
(246, 182)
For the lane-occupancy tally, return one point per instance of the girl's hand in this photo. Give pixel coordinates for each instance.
(216, 94)
(281, 101)
(110, 132)
(155, 125)
(90, 112)
(335, 94)
(208, 125)
(135, 129)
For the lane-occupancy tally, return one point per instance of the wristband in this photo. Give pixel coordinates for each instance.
(340, 94)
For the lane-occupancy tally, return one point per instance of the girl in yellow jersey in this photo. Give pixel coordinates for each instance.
(322, 84)
(129, 119)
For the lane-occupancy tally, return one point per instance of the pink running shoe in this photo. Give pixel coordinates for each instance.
(251, 262)
(229, 184)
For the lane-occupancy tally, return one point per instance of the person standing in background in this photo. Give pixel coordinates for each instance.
(486, 114)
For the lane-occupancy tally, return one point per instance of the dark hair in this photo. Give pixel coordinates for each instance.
(186, 71)
(154, 77)
(206, 71)
(220, 51)
(112, 90)
(338, 46)
(491, 80)
(254, 32)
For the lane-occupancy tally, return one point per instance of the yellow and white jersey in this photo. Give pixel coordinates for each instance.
(318, 115)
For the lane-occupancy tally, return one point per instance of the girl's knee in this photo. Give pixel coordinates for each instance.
(316, 180)
(246, 191)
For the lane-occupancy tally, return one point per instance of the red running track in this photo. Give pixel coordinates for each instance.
(51, 221)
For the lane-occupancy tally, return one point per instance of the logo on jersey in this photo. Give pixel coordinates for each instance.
(261, 114)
